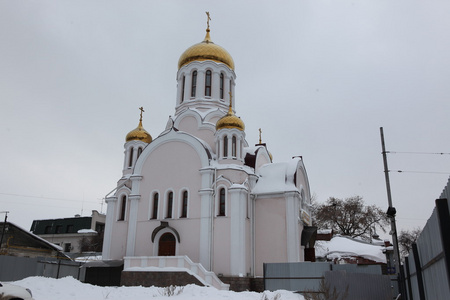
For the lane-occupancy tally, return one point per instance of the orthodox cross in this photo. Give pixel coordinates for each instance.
(208, 19)
(142, 110)
(260, 131)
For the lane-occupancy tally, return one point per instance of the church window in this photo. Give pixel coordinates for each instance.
(225, 146)
(48, 229)
(194, 83)
(123, 206)
(184, 207)
(130, 160)
(233, 146)
(139, 152)
(222, 202)
(221, 85)
(182, 89)
(169, 205)
(155, 206)
(208, 83)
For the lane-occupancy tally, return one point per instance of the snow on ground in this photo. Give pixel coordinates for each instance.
(341, 246)
(68, 288)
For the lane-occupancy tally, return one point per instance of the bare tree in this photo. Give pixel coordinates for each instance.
(349, 217)
(406, 238)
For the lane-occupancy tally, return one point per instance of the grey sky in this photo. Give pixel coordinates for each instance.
(319, 78)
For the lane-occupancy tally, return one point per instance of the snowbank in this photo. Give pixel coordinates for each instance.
(68, 288)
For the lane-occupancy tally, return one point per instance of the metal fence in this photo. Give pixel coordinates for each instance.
(15, 268)
(308, 276)
(427, 267)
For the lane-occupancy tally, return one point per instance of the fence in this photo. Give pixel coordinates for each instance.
(15, 268)
(307, 277)
(427, 267)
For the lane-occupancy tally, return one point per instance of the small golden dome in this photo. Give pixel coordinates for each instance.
(230, 120)
(139, 133)
(206, 50)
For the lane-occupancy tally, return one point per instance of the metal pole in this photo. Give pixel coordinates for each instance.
(4, 226)
(391, 214)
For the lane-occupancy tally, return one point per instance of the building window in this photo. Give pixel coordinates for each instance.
(225, 146)
(169, 205)
(139, 152)
(130, 160)
(67, 247)
(59, 229)
(123, 206)
(194, 83)
(184, 203)
(48, 229)
(70, 229)
(182, 89)
(221, 85)
(222, 202)
(233, 146)
(155, 206)
(208, 84)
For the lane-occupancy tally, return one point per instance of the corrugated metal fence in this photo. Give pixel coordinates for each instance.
(427, 267)
(15, 268)
(363, 281)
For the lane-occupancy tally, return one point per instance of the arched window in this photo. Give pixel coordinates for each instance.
(225, 146)
(233, 146)
(169, 205)
(155, 206)
(221, 85)
(208, 84)
(139, 152)
(130, 160)
(194, 83)
(182, 89)
(184, 203)
(123, 208)
(221, 202)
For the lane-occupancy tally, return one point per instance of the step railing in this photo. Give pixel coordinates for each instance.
(174, 264)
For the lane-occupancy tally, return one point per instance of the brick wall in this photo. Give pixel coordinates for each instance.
(240, 284)
(160, 279)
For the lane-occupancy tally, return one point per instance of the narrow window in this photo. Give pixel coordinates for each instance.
(184, 208)
(130, 161)
(169, 205)
(139, 152)
(48, 229)
(182, 89)
(155, 206)
(221, 85)
(233, 146)
(194, 83)
(123, 206)
(208, 84)
(225, 146)
(222, 202)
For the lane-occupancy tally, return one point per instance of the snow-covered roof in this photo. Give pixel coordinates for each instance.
(342, 247)
(276, 178)
(86, 231)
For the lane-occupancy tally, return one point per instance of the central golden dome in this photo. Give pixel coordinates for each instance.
(206, 50)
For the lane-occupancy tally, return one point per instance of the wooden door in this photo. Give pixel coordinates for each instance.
(167, 245)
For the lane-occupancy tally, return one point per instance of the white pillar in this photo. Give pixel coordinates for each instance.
(206, 215)
(238, 202)
(292, 232)
(111, 203)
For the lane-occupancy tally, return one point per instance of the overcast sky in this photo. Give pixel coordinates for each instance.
(319, 77)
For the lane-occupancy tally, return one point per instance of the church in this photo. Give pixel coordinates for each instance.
(199, 191)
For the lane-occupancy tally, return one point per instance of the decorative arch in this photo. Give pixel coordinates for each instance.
(163, 228)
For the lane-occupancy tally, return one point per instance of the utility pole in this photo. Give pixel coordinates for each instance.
(4, 226)
(391, 214)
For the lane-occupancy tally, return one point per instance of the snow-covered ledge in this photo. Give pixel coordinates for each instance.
(173, 264)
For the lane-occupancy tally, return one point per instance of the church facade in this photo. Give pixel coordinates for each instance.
(199, 190)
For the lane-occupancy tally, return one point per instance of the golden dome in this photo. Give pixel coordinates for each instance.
(206, 50)
(230, 120)
(139, 133)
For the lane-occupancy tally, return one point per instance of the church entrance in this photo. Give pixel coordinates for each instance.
(167, 245)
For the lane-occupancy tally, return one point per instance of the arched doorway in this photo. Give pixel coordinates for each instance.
(167, 244)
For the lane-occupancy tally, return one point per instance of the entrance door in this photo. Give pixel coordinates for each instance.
(166, 245)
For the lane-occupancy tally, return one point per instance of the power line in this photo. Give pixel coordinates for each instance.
(424, 172)
(40, 197)
(429, 153)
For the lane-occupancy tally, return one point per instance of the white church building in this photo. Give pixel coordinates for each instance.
(199, 193)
